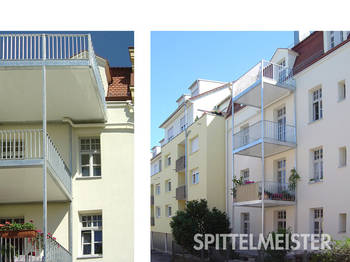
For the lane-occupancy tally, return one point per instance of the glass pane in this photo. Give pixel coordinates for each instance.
(97, 171)
(86, 236)
(87, 249)
(98, 236)
(97, 159)
(85, 171)
(98, 248)
(85, 159)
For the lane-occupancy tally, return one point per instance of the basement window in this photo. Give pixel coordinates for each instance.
(341, 90)
(342, 223)
(342, 156)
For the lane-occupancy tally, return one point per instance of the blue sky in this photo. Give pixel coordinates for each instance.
(179, 58)
(112, 45)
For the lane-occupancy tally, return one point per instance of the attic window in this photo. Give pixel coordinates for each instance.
(195, 92)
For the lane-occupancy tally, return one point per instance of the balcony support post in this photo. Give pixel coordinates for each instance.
(44, 149)
(186, 149)
(262, 151)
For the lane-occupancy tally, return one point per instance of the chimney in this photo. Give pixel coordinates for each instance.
(300, 36)
(296, 37)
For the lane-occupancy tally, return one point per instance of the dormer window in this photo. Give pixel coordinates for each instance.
(332, 40)
(195, 92)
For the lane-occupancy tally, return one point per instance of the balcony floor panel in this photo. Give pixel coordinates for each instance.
(267, 203)
(71, 92)
(272, 147)
(272, 92)
(24, 184)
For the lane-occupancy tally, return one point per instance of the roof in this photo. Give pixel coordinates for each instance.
(119, 87)
(237, 107)
(210, 91)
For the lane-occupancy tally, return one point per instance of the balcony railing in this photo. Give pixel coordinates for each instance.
(273, 191)
(23, 249)
(26, 144)
(180, 164)
(181, 193)
(54, 49)
(278, 74)
(273, 131)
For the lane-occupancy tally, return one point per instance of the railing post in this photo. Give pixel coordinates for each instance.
(44, 148)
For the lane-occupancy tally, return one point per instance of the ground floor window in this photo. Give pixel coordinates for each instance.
(91, 234)
(245, 223)
(318, 220)
(12, 220)
(281, 219)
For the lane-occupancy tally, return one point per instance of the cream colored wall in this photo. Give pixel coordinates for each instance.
(57, 215)
(331, 132)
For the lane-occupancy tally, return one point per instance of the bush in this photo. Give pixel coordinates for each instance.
(197, 218)
(279, 255)
(339, 252)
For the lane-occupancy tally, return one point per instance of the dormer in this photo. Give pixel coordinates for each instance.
(284, 57)
(155, 150)
(182, 99)
(333, 38)
(201, 86)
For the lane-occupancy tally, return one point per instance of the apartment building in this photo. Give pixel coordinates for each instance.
(55, 90)
(288, 114)
(189, 163)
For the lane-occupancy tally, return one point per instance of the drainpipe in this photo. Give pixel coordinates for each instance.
(233, 157)
(71, 202)
(44, 147)
(295, 162)
(186, 135)
(262, 151)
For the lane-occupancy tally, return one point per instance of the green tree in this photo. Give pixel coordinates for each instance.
(197, 218)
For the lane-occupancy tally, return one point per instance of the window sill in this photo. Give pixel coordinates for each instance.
(315, 121)
(88, 177)
(342, 166)
(316, 181)
(341, 100)
(90, 257)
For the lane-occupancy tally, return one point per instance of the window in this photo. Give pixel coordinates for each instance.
(160, 165)
(170, 133)
(157, 189)
(168, 185)
(317, 110)
(318, 164)
(195, 92)
(341, 90)
(281, 219)
(158, 212)
(331, 39)
(245, 134)
(245, 223)
(342, 223)
(17, 220)
(194, 145)
(168, 160)
(12, 149)
(168, 211)
(90, 157)
(342, 156)
(281, 124)
(91, 234)
(318, 221)
(195, 177)
(281, 172)
(182, 123)
(245, 175)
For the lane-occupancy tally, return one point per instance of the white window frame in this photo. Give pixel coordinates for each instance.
(194, 144)
(317, 215)
(245, 175)
(316, 97)
(195, 177)
(317, 164)
(92, 219)
(341, 90)
(281, 219)
(245, 134)
(281, 171)
(168, 160)
(170, 133)
(168, 185)
(158, 212)
(342, 156)
(157, 189)
(90, 152)
(182, 123)
(245, 223)
(169, 211)
(342, 222)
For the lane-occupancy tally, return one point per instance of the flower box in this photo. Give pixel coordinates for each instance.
(18, 234)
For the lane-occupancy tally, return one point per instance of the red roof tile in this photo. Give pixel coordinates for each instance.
(119, 88)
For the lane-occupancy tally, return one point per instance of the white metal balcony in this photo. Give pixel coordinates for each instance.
(277, 138)
(74, 83)
(23, 149)
(277, 80)
(276, 194)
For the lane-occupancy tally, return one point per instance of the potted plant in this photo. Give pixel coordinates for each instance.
(293, 179)
(16, 230)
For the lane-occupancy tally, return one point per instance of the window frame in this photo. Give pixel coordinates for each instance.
(342, 156)
(160, 212)
(195, 148)
(317, 159)
(317, 215)
(92, 229)
(169, 214)
(341, 90)
(316, 100)
(281, 219)
(342, 218)
(158, 189)
(245, 222)
(167, 187)
(90, 153)
(244, 173)
(195, 177)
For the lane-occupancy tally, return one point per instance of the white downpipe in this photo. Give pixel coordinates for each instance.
(186, 134)
(44, 149)
(296, 161)
(233, 158)
(262, 152)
